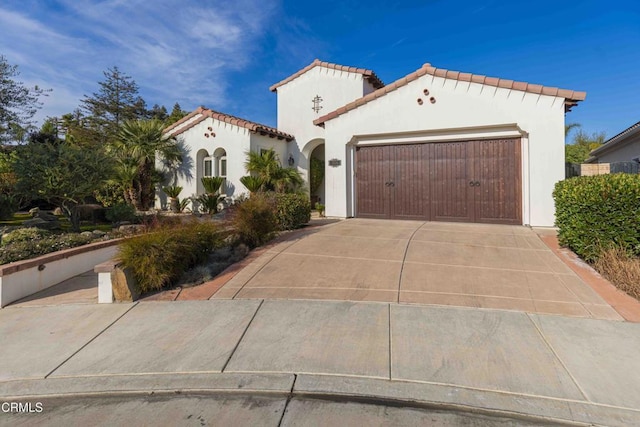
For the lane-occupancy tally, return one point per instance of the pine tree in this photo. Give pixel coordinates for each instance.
(18, 104)
(116, 102)
(176, 114)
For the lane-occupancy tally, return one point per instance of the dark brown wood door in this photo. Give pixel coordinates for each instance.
(392, 182)
(468, 181)
(372, 178)
(498, 197)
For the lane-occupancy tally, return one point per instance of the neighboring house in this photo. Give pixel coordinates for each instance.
(434, 145)
(624, 147)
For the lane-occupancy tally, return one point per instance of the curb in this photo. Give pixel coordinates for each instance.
(402, 394)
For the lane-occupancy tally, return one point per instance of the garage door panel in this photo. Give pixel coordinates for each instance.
(450, 189)
(498, 198)
(410, 184)
(372, 174)
(467, 181)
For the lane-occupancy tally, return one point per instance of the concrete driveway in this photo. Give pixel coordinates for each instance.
(472, 265)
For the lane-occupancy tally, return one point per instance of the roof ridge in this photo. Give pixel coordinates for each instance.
(233, 120)
(370, 75)
(572, 97)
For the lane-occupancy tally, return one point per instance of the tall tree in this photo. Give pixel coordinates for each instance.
(582, 144)
(18, 103)
(176, 114)
(116, 101)
(158, 112)
(136, 148)
(48, 133)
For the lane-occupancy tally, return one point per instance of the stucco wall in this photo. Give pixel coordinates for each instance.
(295, 113)
(457, 105)
(622, 153)
(235, 141)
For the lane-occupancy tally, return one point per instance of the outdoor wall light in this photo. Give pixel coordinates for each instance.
(291, 160)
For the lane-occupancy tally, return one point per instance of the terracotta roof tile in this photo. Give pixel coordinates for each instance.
(571, 97)
(236, 121)
(369, 75)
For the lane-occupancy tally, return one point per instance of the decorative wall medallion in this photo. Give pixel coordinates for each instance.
(316, 103)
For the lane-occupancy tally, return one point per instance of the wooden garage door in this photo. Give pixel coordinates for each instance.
(470, 181)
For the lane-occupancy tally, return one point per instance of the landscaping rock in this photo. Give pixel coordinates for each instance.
(86, 234)
(42, 223)
(131, 229)
(124, 285)
(58, 211)
(43, 220)
(98, 233)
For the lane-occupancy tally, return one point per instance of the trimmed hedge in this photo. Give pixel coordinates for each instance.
(596, 212)
(157, 259)
(292, 210)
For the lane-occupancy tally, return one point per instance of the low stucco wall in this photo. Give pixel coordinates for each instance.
(23, 278)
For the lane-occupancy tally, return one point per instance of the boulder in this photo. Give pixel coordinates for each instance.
(87, 234)
(42, 223)
(124, 285)
(98, 233)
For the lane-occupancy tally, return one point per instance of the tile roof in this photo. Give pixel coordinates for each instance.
(613, 141)
(207, 113)
(368, 74)
(572, 97)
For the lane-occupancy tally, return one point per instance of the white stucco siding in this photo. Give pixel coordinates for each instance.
(295, 113)
(623, 152)
(458, 105)
(234, 140)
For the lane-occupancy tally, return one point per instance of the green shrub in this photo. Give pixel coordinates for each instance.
(27, 249)
(254, 220)
(292, 210)
(24, 235)
(8, 206)
(121, 212)
(159, 258)
(596, 212)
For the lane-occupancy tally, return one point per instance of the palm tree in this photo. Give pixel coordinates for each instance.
(266, 166)
(138, 144)
(252, 183)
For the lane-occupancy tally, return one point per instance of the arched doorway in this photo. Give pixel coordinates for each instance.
(316, 175)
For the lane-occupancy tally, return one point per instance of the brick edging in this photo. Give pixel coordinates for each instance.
(625, 305)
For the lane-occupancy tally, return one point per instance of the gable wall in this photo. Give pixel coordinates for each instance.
(233, 139)
(295, 114)
(458, 105)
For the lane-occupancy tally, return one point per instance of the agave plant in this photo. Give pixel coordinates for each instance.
(252, 183)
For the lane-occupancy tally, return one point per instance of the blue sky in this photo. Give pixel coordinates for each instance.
(225, 55)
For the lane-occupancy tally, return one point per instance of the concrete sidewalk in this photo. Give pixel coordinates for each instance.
(534, 367)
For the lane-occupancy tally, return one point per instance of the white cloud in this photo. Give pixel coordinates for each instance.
(175, 50)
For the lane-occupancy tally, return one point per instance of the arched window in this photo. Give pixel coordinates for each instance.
(220, 162)
(207, 166)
